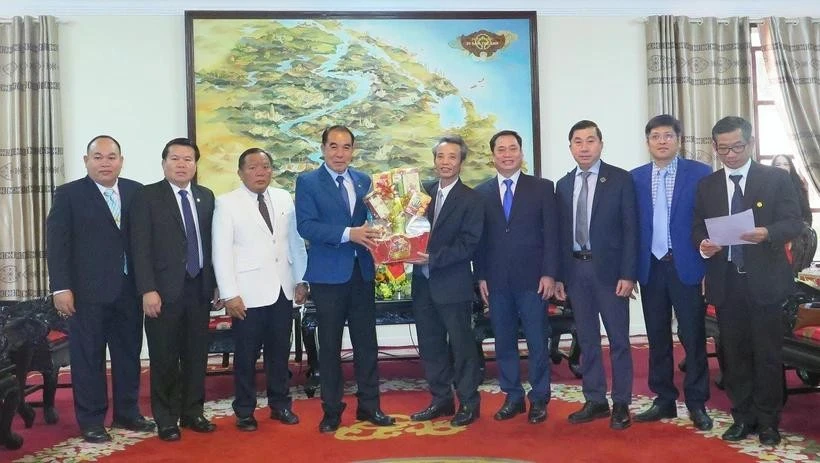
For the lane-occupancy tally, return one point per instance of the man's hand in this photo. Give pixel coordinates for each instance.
(546, 287)
(560, 292)
(758, 235)
(624, 288)
(423, 258)
(151, 304)
(236, 308)
(217, 303)
(485, 293)
(364, 235)
(708, 248)
(64, 303)
(300, 293)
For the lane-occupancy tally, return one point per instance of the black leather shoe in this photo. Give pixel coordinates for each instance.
(620, 417)
(466, 415)
(198, 424)
(50, 415)
(27, 413)
(700, 419)
(285, 415)
(330, 422)
(538, 412)
(96, 435)
(656, 413)
(12, 441)
(169, 433)
(376, 417)
(434, 411)
(769, 436)
(590, 411)
(138, 424)
(737, 432)
(247, 424)
(510, 409)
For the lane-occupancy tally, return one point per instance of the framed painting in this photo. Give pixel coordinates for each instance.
(398, 80)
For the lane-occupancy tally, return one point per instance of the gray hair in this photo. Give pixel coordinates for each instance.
(454, 139)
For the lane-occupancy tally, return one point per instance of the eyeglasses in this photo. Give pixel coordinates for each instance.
(656, 137)
(737, 149)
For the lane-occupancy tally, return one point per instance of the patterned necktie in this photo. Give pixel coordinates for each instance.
(660, 218)
(581, 219)
(343, 191)
(192, 253)
(113, 204)
(736, 251)
(263, 209)
(508, 198)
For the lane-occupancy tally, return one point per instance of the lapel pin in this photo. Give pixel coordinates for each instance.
(760, 204)
(603, 180)
(197, 199)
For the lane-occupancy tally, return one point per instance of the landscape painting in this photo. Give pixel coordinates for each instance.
(398, 80)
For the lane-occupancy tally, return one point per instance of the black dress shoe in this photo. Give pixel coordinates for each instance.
(510, 409)
(590, 411)
(169, 433)
(376, 417)
(285, 415)
(198, 424)
(96, 435)
(434, 411)
(620, 417)
(656, 413)
(737, 432)
(138, 424)
(769, 436)
(246, 424)
(466, 414)
(27, 413)
(538, 412)
(50, 415)
(700, 419)
(12, 441)
(330, 422)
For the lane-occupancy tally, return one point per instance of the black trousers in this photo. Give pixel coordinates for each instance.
(267, 326)
(445, 329)
(352, 302)
(178, 348)
(664, 292)
(93, 327)
(751, 337)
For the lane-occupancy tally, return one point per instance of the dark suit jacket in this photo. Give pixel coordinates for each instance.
(771, 196)
(321, 218)
(613, 227)
(688, 262)
(453, 241)
(85, 247)
(158, 242)
(517, 254)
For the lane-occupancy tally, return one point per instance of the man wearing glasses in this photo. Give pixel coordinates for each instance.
(670, 271)
(747, 283)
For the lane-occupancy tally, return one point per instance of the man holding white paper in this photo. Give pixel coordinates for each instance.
(747, 283)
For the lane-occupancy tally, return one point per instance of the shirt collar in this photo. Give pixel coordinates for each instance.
(115, 187)
(334, 174)
(671, 168)
(742, 170)
(514, 177)
(178, 189)
(595, 168)
(446, 190)
(251, 193)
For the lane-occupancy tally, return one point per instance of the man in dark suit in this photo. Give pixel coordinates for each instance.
(599, 235)
(516, 265)
(670, 271)
(747, 283)
(330, 215)
(443, 290)
(171, 247)
(93, 285)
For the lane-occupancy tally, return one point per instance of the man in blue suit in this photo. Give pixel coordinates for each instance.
(598, 247)
(330, 215)
(516, 265)
(670, 271)
(92, 280)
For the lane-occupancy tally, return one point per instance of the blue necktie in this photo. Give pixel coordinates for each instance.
(192, 253)
(508, 198)
(660, 219)
(114, 207)
(341, 180)
(736, 251)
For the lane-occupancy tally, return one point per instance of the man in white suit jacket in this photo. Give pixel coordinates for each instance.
(259, 260)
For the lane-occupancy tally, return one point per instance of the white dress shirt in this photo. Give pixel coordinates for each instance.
(192, 202)
(592, 181)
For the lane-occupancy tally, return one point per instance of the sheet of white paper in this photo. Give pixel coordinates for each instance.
(726, 230)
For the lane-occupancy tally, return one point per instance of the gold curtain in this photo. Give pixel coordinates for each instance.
(699, 71)
(791, 51)
(31, 151)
